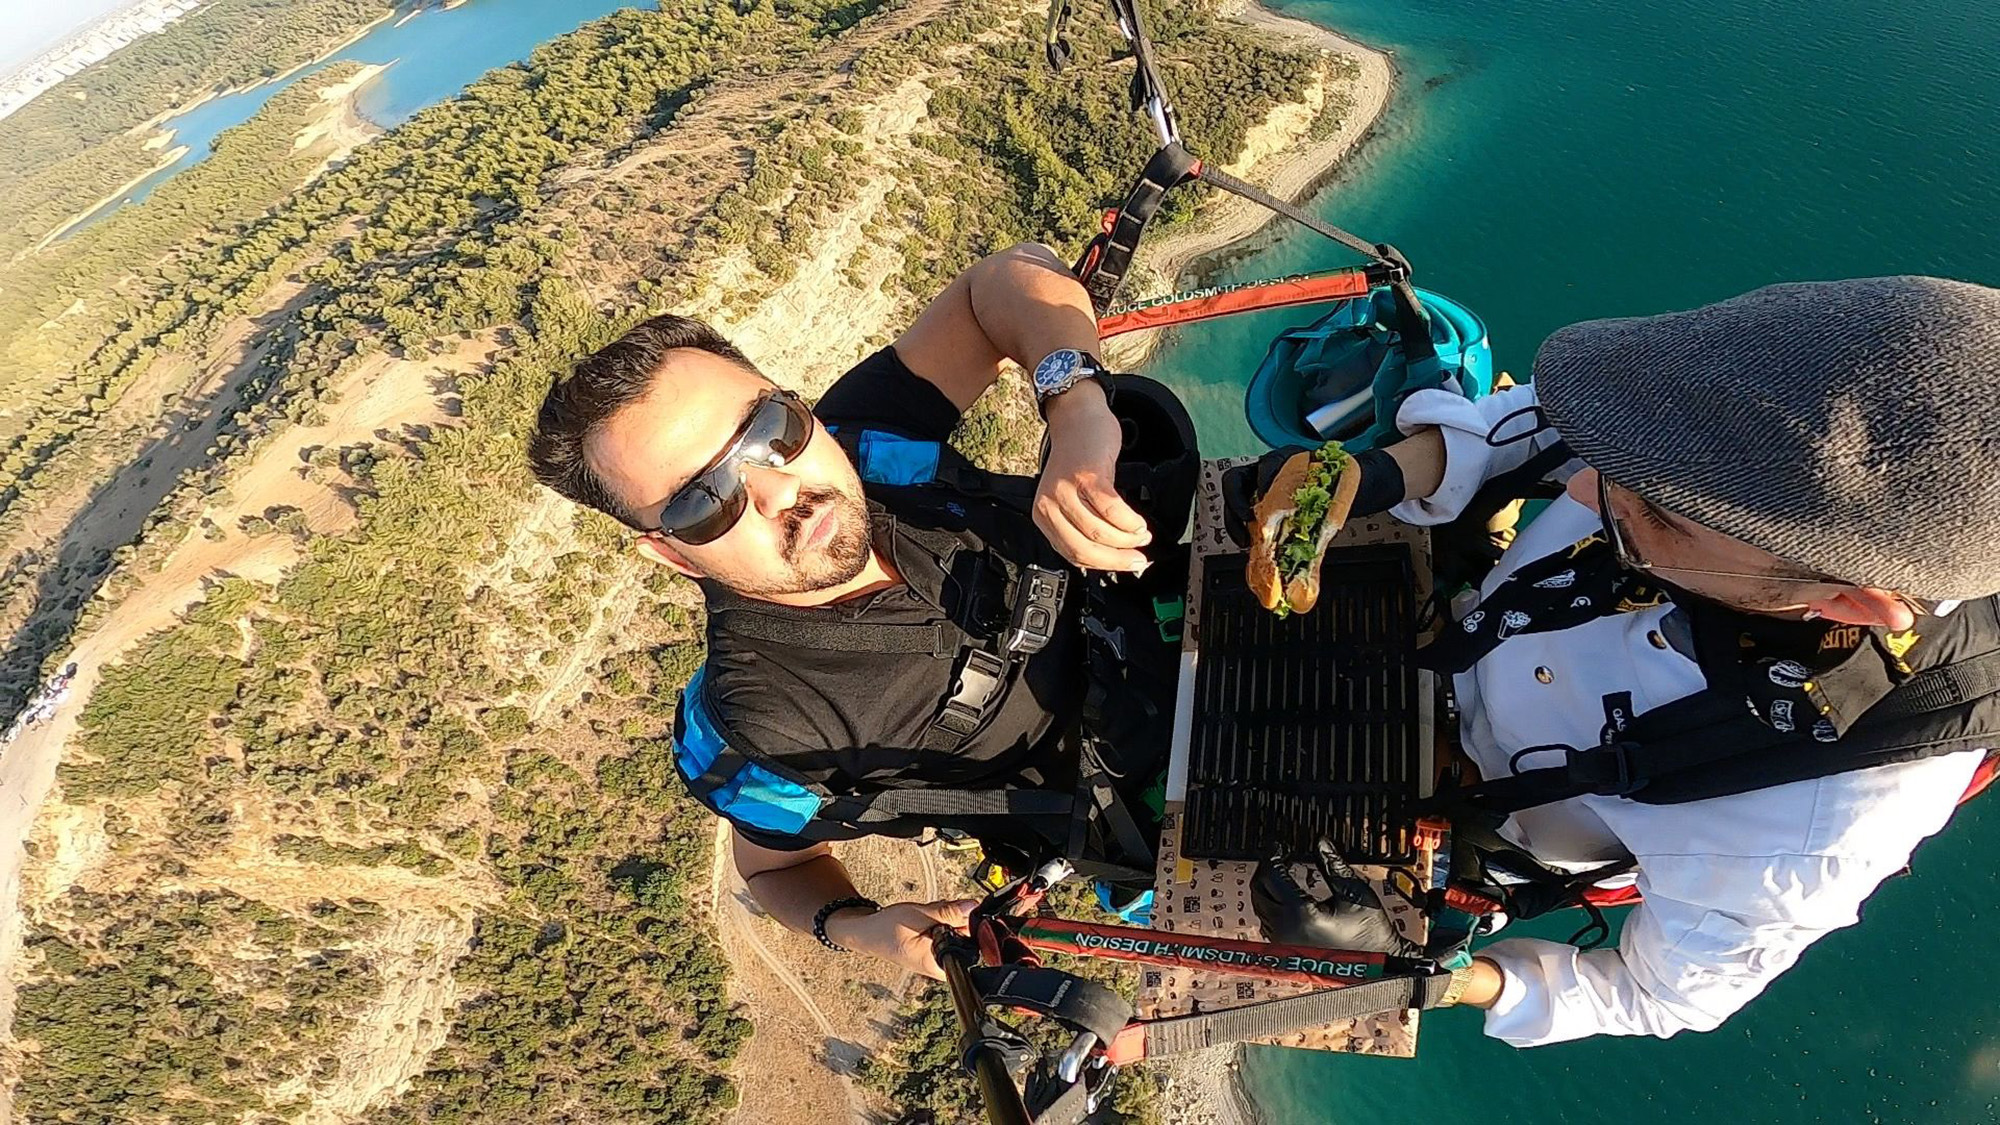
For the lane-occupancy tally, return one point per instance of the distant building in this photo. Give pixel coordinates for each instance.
(24, 83)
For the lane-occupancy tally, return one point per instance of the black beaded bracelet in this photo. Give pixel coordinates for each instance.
(827, 911)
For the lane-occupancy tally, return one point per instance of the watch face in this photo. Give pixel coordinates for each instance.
(1057, 370)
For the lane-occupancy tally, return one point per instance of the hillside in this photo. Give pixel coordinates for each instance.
(364, 809)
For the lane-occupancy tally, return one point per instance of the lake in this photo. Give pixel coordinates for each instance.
(431, 57)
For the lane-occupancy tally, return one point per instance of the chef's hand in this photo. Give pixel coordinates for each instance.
(1318, 900)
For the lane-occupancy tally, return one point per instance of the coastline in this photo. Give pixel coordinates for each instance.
(1292, 173)
(172, 157)
(1207, 1087)
(339, 124)
(207, 96)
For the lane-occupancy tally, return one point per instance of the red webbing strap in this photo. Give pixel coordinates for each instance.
(1606, 897)
(1982, 778)
(1207, 304)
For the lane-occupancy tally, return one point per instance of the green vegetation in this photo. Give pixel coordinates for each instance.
(397, 686)
(1037, 155)
(134, 1022)
(924, 1070)
(77, 141)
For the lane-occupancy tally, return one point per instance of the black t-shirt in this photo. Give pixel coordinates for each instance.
(855, 722)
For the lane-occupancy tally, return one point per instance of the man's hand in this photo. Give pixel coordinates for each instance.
(1077, 505)
(1318, 900)
(899, 934)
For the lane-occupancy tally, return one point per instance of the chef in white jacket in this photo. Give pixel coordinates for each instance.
(1818, 455)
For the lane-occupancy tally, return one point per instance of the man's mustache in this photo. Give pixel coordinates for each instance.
(809, 501)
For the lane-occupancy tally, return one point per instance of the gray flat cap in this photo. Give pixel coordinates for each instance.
(1849, 426)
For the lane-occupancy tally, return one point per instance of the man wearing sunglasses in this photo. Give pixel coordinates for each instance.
(896, 640)
(1746, 657)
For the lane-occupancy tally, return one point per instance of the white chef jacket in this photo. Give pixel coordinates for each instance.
(1735, 887)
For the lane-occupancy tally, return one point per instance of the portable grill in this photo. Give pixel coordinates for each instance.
(1315, 724)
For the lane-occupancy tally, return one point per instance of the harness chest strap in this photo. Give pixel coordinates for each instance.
(1703, 730)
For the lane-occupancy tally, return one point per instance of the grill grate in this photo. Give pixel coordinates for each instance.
(1306, 725)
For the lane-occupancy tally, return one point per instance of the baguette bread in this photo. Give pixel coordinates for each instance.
(1294, 588)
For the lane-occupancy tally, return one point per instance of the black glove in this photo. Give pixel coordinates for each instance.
(1244, 485)
(1318, 900)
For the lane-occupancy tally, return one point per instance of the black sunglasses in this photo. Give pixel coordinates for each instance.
(774, 434)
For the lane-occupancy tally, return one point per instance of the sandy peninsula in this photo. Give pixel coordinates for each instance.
(1273, 158)
(1207, 1088)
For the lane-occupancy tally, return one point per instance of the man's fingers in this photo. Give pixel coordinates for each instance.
(1104, 500)
(1080, 548)
(953, 912)
(1083, 513)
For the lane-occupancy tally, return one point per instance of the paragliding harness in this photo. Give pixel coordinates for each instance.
(1130, 643)
(1701, 746)
(995, 969)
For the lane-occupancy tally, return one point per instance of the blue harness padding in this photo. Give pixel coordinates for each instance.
(886, 458)
(1346, 371)
(746, 792)
(881, 457)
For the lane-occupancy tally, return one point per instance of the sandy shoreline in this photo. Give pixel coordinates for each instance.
(1173, 260)
(1207, 1088)
(339, 123)
(1287, 175)
(207, 96)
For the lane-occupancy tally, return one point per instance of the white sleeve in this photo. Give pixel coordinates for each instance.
(1476, 444)
(1712, 933)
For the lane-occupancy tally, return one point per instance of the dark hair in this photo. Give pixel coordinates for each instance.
(603, 383)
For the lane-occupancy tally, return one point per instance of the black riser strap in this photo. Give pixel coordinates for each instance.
(1217, 178)
(1938, 688)
(1078, 1004)
(894, 803)
(1168, 167)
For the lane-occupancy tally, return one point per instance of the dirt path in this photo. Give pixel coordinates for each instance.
(817, 1014)
(737, 930)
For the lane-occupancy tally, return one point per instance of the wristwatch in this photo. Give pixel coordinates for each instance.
(1065, 368)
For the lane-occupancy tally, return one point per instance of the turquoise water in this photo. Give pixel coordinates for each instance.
(431, 57)
(1548, 161)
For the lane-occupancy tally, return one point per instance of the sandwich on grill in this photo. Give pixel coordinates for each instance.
(1296, 518)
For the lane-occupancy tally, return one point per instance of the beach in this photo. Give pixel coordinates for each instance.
(338, 125)
(1206, 1088)
(1281, 157)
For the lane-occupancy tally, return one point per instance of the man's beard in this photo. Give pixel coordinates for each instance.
(839, 560)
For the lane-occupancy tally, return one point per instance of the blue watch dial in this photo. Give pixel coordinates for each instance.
(1057, 370)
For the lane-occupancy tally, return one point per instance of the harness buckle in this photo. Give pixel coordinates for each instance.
(1037, 606)
(1606, 769)
(973, 692)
